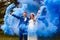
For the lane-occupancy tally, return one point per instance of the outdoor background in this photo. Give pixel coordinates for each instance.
(3, 6)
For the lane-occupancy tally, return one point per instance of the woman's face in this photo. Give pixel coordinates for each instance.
(32, 16)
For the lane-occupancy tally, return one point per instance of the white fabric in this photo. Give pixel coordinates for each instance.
(31, 29)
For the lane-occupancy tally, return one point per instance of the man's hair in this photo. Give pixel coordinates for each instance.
(25, 12)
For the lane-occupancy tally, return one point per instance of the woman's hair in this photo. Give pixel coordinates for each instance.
(32, 14)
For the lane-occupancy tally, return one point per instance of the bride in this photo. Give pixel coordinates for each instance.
(31, 27)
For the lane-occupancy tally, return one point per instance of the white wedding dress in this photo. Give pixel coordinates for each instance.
(31, 30)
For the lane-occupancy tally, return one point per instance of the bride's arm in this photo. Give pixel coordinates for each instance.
(38, 13)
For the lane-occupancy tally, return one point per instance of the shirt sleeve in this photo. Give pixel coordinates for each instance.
(16, 16)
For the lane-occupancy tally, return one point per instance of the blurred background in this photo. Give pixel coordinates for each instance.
(3, 6)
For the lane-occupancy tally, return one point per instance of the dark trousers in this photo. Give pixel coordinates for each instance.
(21, 36)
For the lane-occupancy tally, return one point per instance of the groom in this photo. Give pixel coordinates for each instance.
(23, 29)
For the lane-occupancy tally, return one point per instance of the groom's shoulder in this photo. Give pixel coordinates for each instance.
(28, 18)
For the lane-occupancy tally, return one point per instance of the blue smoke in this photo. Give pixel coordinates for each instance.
(47, 21)
(51, 16)
(6, 25)
(53, 7)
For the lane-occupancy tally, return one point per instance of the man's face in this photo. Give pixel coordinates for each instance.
(24, 14)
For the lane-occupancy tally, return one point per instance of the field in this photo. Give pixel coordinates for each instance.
(7, 37)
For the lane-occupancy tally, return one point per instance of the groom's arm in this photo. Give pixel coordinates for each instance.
(16, 16)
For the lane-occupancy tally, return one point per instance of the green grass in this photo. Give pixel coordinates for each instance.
(7, 37)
